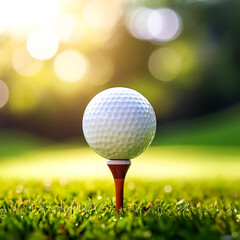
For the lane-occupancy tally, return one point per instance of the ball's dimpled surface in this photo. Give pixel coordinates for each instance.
(119, 123)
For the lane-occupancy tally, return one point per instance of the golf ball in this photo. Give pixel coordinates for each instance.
(119, 123)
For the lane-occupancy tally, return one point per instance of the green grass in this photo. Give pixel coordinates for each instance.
(85, 210)
(159, 162)
(184, 187)
(17, 143)
(218, 129)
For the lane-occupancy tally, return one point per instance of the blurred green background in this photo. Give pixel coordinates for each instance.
(183, 56)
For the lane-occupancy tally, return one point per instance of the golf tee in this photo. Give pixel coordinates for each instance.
(119, 170)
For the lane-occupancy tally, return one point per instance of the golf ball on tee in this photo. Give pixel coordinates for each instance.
(119, 123)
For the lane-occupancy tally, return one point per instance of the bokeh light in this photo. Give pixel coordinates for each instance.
(70, 66)
(63, 180)
(101, 15)
(4, 93)
(24, 64)
(167, 188)
(164, 24)
(64, 26)
(42, 44)
(100, 71)
(79, 30)
(164, 64)
(138, 24)
(159, 25)
(110, 56)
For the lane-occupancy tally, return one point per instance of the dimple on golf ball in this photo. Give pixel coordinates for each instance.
(119, 123)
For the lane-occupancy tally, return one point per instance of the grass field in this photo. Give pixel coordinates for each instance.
(184, 190)
(166, 209)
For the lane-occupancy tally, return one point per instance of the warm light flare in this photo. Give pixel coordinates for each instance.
(64, 26)
(24, 64)
(42, 44)
(26, 14)
(77, 163)
(101, 15)
(70, 66)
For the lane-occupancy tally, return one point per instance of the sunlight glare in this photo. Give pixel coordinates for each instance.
(24, 64)
(27, 14)
(2, 27)
(101, 15)
(42, 44)
(77, 163)
(63, 26)
(70, 65)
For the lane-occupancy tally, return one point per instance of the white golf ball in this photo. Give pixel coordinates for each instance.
(119, 123)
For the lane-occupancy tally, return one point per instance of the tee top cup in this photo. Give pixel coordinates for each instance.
(119, 124)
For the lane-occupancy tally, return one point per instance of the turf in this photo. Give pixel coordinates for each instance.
(184, 187)
(217, 129)
(169, 209)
